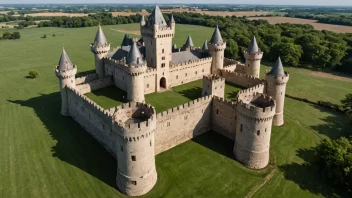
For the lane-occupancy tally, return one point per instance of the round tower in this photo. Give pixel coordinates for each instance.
(172, 23)
(135, 124)
(255, 113)
(253, 56)
(217, 48)
(136, 68)
(277, 79)
(100, 48)
(66, 72)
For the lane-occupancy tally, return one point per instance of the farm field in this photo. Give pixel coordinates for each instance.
(318, 26)
(57, 14)
(47, 155)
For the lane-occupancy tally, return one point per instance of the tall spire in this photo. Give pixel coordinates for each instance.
(100, 38)
(172, 20)
(157, 18)
(142, 19)
(134, 56)
(189, 42)
(126, 40)
(278, 69)
(65, 62)
(253, 47)
(216, 38)
(205, 46)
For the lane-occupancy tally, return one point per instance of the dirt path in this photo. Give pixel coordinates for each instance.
(135, 32)
(331, 76)
(259, 186)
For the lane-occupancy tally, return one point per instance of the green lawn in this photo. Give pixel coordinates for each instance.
(44, 154)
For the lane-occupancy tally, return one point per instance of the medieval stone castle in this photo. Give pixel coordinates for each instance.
(134, 133)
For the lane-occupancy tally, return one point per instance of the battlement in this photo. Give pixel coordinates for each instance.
(196, 62)
(214, 46)
(230, 103)
(131, 120)
(257, 88)
(100, 49)
(187, 106)
(260, 53)
(106, 114)
(86, 79)
(214, 78)
(67, 73)
(133, 70)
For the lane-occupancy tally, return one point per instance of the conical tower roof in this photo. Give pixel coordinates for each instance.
(174, 46)
(157, 18)
(216, 38)
(253, 47)
(172, 20)
(205, 46)
(278, 69)
(100, 38)
(134, 56)
(142, 19)
(65, 62)
(126, 40)
(189, 42)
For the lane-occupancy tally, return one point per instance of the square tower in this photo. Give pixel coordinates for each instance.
(157, 36)
(213, 85)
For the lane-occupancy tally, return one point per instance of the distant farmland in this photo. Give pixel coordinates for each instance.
(57, 14)
(318, 26)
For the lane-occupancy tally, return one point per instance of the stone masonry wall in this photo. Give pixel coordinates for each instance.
(182, 123)
(241, 79)
(94, 119)
(86, 79)
(94, 85)
(224, 117)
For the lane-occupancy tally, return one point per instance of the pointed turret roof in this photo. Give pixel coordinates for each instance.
(205, 46)
(253, 47)
(126, 40)
(100, 38)
(174, 46)
(216, 38)
(65, 62)
(189, 42)
(157, 18)
(172, 20)
(134, 56)
(278, 69)
(142, 19)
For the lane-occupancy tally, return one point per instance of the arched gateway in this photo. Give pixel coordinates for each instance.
(163, 83)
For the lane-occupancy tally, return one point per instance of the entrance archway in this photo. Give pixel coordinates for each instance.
(163, 82)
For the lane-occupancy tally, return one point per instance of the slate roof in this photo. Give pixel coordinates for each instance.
(216, 38)
(253, 47)
(205, 46)
(100, 38)
(183, 56)
(278, 69)
(157, 18)
(134, 56)
(65, 62)
(172, 20)
(126, 40)
(189, 42)
(122, 52)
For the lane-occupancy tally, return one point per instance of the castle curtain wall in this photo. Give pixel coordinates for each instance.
(94, 85)
(180, 124)
(93, 119)
(224, 117)
(241, 79)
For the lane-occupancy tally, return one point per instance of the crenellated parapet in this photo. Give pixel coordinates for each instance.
(66, 74)
(189, 64)
(100, 49)
(213, 85)
(240, 79)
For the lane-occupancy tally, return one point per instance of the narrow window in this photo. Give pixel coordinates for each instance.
(265, 129)
(258, 132)
(202, 70)
(134, 182)
(235, 117)
(147, 85)
(217, 111)
(176, 77)
(150, 142)
(281, 93)
(185, 117)
(163, 51)
(121, 148)
(186, 74)
(196, 73)
(241, 128)
(133, 158)
(208, 86)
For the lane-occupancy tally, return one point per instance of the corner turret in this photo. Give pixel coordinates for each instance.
(142, 23)
(100, 48)
(216, 48)
(255, 112)
(189, 44)
(277, 79)
(66, 72)
(135, 126)
(253, 56)
(136, 68)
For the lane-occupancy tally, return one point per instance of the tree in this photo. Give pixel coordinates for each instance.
(15, 35)
(44, 36)
(6, 35)
(347, 105)
(334, 158)
(231, 50)
(290, 53)
(32, 74)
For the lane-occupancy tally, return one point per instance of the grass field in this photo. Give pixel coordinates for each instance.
(44, 154)
(318, 26)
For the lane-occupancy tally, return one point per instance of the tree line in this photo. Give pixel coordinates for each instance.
(297, 44)
(336, 20)
(10, 36)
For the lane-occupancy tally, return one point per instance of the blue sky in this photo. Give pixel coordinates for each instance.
(272, 2)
